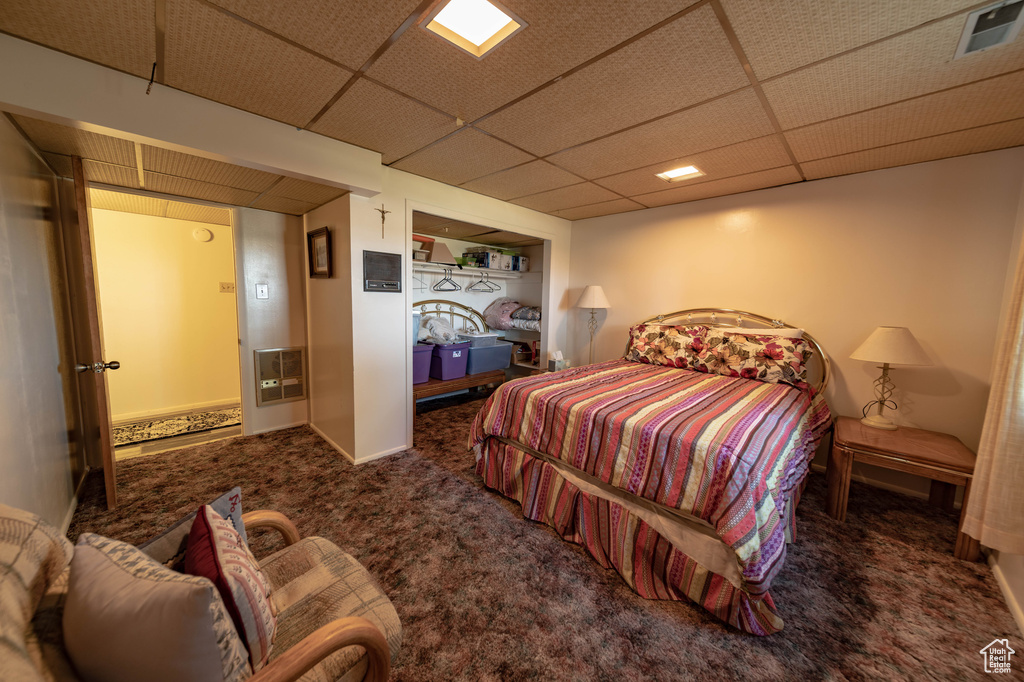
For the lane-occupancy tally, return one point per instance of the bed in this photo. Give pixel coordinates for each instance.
(679, 465)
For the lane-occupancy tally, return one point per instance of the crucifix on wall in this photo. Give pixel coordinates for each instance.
(382, 214)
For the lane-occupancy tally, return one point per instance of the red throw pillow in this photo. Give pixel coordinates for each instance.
(216, 551)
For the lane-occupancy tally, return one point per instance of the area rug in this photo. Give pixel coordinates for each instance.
(485, 595)
(145, 430)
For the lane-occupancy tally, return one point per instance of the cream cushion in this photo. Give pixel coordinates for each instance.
(127, 618)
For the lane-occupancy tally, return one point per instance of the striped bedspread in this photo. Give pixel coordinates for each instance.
(732, 452)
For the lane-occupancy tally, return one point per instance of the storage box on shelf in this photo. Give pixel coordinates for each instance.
(489, 358)
(421, 355)
(448, 361)
(477, 339)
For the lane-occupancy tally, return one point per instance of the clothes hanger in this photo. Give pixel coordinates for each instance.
(447, 283)
(481, 284)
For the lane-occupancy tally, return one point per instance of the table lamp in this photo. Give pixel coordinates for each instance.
(890, 346)
(593, 297)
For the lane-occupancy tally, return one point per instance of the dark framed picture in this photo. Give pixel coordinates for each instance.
(319, 243)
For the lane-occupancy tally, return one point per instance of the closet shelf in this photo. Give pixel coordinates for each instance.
(467, 271)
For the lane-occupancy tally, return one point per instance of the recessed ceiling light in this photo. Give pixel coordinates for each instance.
(676, 174)
(990, 27)
(476, 26)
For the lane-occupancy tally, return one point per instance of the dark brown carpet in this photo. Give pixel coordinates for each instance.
(486, 595)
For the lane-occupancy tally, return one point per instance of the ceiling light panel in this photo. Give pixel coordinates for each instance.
(476, 26)
(717, 188)
(561, 36)
(678, 174)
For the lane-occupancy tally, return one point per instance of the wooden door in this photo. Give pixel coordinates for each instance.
(85, 318)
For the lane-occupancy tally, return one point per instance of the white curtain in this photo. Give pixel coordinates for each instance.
(995, 510)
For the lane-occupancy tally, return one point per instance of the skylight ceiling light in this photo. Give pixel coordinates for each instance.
(476, 26)
(677, 174)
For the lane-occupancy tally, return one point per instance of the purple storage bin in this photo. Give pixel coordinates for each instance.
(421, 363)
(448, 361)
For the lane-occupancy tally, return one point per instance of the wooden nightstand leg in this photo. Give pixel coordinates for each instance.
(967, 548)
(840, 467)
(943, 495)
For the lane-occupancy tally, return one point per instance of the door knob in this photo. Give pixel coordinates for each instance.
(98, 367)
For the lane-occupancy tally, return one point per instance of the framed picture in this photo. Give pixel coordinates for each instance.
(319, 243)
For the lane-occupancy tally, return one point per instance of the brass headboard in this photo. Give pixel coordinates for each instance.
(469, 319)
(727, 317)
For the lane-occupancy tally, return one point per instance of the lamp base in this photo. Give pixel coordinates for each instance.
(877, 421)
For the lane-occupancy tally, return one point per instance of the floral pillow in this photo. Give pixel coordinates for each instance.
(668, 345)
(771, 359)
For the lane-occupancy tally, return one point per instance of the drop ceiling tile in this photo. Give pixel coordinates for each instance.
(421, 219)
(688, 61)
(376, 118)
(780, 36)
(198, 213)
(215, 56)
(170, 184)
(60, 163)
(450, 229)
(283, 205)
(127, 203)
(110, 174)
(559, 36)
(986, 138)
(301, 190)
(509, 239)
(600, 209)
(52, 137)
(717, 188)
(530, 178)
(738, 159)
(728, 120)
(466, 155)
(348, 31)
(198, 168)
(120, 34)
(566, 197)
(906, 66)
(985, 102)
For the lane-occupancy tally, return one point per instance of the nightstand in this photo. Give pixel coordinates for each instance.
(938, 456)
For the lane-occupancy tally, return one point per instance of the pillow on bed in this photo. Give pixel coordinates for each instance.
(772, 359)
(665, 344)
(787, 332)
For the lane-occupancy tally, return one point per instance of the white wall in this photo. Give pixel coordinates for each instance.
(164, 317)
(268, 250)
(921, 246)
(37, 405)
(329, 322)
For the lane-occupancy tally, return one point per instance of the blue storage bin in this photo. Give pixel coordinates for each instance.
(489, 358)
(421, 363)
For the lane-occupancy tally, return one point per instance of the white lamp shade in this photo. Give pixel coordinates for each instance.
(440, 253)
(894, 345)
(593, 297)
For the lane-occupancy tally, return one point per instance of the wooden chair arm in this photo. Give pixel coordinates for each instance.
(338, 634)
(264, 518)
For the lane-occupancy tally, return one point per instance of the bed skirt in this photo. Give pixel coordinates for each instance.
(619, 538)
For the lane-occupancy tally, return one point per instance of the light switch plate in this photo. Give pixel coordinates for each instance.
(227, 287)
(262, 291)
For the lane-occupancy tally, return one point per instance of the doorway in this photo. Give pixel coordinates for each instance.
(166, 290)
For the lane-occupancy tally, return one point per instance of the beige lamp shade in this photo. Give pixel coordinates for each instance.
(893, 345)
(593, 297)
(440, 253)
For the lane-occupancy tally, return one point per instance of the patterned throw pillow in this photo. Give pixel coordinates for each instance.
(127, 618)
(216, 551)
(169, 547)
(668, 345)
(771, 359)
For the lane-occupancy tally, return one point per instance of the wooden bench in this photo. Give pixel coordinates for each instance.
(437, 387)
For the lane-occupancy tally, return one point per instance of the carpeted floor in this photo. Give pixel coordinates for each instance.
(145, 430)
(486, 595)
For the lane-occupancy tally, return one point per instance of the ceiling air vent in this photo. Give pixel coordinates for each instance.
(991, 27)
(280, 375)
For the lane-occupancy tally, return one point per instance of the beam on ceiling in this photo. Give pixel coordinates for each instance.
(49, 85)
